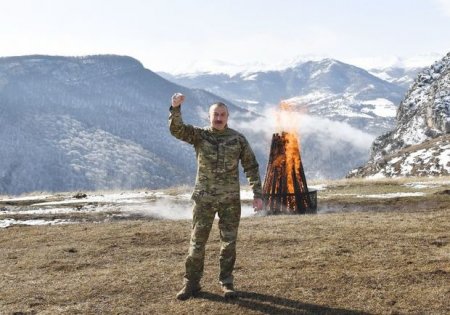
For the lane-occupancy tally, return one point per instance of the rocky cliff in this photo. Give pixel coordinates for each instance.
(421, 136)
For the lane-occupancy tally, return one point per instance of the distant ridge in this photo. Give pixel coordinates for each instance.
(93, 122)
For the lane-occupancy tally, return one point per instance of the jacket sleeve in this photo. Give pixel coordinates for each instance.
(179, 130)
(251, 169)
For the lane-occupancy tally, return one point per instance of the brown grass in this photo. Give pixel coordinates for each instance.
(386, 256)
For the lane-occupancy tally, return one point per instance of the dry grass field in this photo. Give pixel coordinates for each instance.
(360, 256)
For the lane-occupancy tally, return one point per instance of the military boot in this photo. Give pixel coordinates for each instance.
(189, 290)
(228, 291)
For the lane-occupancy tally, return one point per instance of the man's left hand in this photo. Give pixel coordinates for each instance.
(257, 204)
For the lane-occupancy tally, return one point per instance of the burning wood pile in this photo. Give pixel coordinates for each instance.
(285, 189)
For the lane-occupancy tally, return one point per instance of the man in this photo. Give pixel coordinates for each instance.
(219, 150)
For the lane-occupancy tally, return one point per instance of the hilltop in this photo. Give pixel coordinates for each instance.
(376, 247)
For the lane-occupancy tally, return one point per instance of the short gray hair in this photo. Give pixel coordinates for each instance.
(219, 104)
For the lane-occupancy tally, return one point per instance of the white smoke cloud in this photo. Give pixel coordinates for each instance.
(334, 131)
(327, 131)
(165, 209)
(173, 209)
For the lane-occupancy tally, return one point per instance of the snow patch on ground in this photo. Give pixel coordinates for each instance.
(376, 176)
(157, 204)
(383, 107)
(10, 222)
(430, 161)
(392, 195)
(154, 204)
(27, 198)
(318, 187)
(444, 157)
(420, 185)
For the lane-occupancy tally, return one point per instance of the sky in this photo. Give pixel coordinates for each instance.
(197, 35)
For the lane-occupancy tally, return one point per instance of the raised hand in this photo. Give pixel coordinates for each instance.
(177, 99)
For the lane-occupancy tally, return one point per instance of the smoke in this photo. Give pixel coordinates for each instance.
(329, 149)
(327, 131)
(170, 208)
(163, 208)
(332, 131)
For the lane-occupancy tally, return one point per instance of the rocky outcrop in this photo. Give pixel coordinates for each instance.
(423, 121)
(430, 158)
(424, 113)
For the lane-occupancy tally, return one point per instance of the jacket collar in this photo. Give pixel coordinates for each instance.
(219, 132)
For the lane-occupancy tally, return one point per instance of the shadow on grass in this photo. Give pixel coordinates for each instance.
(269, 304)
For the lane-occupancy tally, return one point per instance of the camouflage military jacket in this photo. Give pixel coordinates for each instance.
(218, 154)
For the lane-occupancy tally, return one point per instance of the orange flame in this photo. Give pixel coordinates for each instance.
(292, 160)
(287, 121)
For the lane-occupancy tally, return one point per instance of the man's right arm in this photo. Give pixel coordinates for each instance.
(177, 128)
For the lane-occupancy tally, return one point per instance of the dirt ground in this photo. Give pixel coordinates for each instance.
(373, 257)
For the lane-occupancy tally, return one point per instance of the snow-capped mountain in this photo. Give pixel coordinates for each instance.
(343, 107)
(400, 76)
(423, 126)
(401, 70)
(100, 122)
(96, 122)
(430, 158)
(327, 88)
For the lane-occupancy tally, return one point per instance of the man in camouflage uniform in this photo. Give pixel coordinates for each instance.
(219, 150)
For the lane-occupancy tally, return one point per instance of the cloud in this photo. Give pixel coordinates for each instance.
(444, 5)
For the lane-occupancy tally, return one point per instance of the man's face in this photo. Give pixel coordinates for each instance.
(218, 117)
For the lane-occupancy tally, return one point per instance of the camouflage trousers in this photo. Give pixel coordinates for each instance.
(203, 217)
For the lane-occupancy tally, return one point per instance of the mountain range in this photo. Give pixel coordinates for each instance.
(325, 88)
(100, 122)
(339, 108)
(88, 123)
